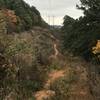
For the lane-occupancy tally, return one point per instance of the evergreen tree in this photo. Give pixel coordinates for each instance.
(84, 32)
(29, 16)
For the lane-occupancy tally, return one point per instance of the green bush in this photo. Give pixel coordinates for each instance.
(27, 16)
(20, 87)
(62, 86)
(81, 35)
(54, 66)
(28, 56)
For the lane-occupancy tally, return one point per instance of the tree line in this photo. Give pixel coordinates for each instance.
(81, 35)
(29, 16)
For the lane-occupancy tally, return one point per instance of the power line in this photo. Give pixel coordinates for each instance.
(53, 20)
(50, 15)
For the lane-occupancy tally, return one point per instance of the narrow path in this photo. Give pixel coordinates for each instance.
(55, 47)
(56, 51)
(79, 88)
(46, 93)
(52, 77)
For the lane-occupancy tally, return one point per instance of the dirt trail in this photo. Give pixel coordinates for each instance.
(56, 51)
(55, 47)
(52, 77)
(79, 90)
(46, 93)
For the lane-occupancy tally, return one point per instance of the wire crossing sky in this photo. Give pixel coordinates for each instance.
(56, 9)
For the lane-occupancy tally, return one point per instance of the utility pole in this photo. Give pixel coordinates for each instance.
(49, 20)
(49, 17)
(53, 21)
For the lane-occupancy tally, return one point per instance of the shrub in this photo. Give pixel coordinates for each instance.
(62, 86)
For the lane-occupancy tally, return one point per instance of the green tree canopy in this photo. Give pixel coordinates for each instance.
(29, 16)
(84, 32)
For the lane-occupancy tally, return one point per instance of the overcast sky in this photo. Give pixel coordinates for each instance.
(56, 8)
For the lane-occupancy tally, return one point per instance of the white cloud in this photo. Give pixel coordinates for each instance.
(57, 8)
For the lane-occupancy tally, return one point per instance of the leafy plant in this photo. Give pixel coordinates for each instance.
(81, 35)
(62, 86)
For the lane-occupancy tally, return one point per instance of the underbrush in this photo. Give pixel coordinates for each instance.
(54, 66)
(62, 86)
(27, 56)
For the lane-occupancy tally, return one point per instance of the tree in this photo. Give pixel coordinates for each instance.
(91, 9)
(96, 49)
(84, 32)
(29, 16)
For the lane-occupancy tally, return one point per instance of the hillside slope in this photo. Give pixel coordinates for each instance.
(27, 62)
(32, 67)
(26, 16)
(72, 79)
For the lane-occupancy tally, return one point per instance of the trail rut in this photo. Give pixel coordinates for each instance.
(52, 77)
(46, 93)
